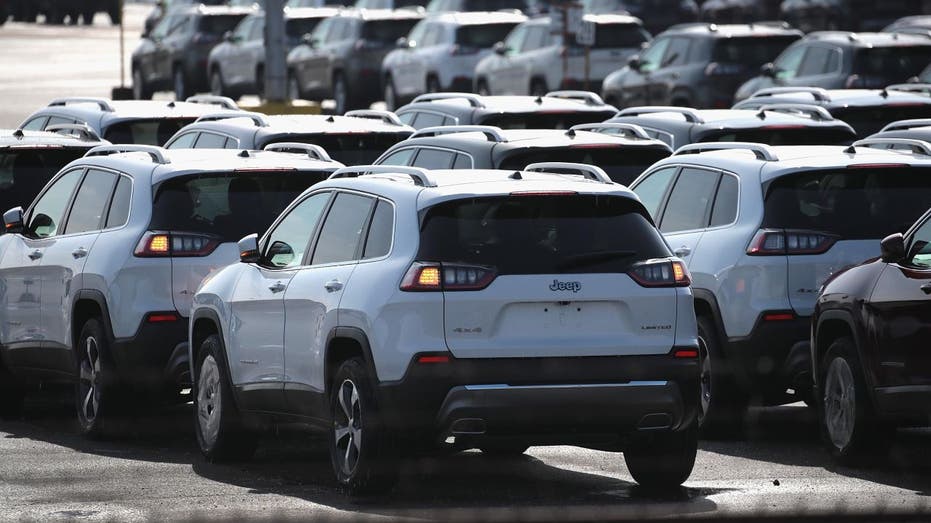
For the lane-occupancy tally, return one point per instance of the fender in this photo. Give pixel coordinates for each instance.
(359, 337)
(707, 297)
(101, 301)
(858, 341)
(213, 317)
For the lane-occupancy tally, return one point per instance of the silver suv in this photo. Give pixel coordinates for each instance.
(400, 310)
(761, 228)
(97, 277)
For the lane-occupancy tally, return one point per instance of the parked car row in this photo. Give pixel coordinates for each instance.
(59, 11)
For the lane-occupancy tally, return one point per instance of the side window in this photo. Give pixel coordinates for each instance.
(321, 32)
(59, 120)
(185, 141)
(232, 143)
(402, 157)
(536, 38)
(434, 159)
(726, 201)
(337, 30)
(425, 120)
(788, 62)
(210, 141)
(462, 162)
(407, 118)
(342, 230)
(919, 253)
(678, 52)
(257, 34)
(653, 56)
(36, 124)
(663, 136)
(652, 189)
(288, 242)
(833, 62)
(45, 217)
(90, 204)
(241, 32)
(815, 62)
(119, 206)
(416, 36)
(689, 201)
(515, 40)
(432, 36)
(381, 230)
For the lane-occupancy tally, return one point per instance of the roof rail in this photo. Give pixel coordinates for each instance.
(103, 103)
(473, 99)
(691, 115)
(315, 152)
(385, 116)
(583, 96)
(904, 125)
(589, 172)
(84, 130)
(628, 130)
(156, 153)
(688, 25)
(815, 112)
(917, 146)
(761, 151)
(818, 93)
(779, 24)
(257, 118)
(492, 133)
(209, 99)
(421, 177)
(916, 87)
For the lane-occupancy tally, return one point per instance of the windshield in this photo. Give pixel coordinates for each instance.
(545, 119)
(784, 135)
(145, 132)
(868, 120)
(298, 27)
(24, 172)
(541, 234)
(350, 149)
(229, 204)
(482, 36)
(869, 203)
(892, 64)
(619, 36)
(387, 31)
(622, 163)
(751, 52)
(217, 25)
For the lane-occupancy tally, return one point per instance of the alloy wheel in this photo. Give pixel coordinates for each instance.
(347, 424)
(704, 363)
(209, 401)
(90, 386)
(840, 403)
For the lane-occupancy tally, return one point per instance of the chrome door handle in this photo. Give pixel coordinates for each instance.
(278, 287)
(926, 288)
(682, 252)
(333, 286)
(35, 255)
(80, 252)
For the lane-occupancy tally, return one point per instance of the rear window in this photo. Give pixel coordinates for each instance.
(868, 120)
(24, 172)
(219, 24)
(229, 205)
(541, 234)
(545, 119)
(298, 27)
(852, 203)
(754, 51)
(146, 132)
(351, 149)
(482, 36)
(387, 31)
(623, 164)
(493, 5)
(619, 36)
(893, 64)
(785, 135)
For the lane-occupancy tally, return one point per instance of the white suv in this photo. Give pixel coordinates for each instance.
(398, 309)
(97, 280)
(761, 229)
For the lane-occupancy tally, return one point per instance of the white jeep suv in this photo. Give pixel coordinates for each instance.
(400, 310)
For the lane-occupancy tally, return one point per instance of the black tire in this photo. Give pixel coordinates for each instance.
(217, 87)
(341, 94)
(662, 461)
(215, 408)
(867, 434)
(504, 449)
(537, 87)
(11, 397)
(362, 451)
(726, 409)
(141, 90)
(97, 400)
(433, 84)
(116, 15)
(390, 94)
(260, 82)
(179, 81)
(87, 17)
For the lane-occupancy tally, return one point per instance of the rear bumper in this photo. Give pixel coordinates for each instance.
(156, 356)
(775, 357)
(544, 400)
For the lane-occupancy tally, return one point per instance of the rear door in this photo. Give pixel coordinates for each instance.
(546, 276)
(687, 210)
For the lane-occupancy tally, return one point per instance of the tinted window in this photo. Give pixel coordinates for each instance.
(146, 132)
(434, 159)
(50, 208)
(185, 141)
(689, 201)
(652, 57)
(725, 203)
(542, 120)
(342, 230)
(402, 157)
(752, 52)
(288, 242)
(623, 164)
(298, 27)
(119, 207)
(387, 31)
(380, 231)
(892, 64)
(541, 234)
(24, 172)
(652, 189)
(678, 52)
(620, 36)
(210, 141)
(229, 205)
(425, 120)
(407, 118)
(90, 204)
(854, 204)
(462, 162)
(218, 24)
(59, 120)
(815, 62)
(785, 135)
(869, 120)
(36, 124)
(482, 36)
(919, 252)
(493, 5)
(352, 149)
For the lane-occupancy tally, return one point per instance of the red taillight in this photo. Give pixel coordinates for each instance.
(778, 316)
(175, 244)
(661, 273)
(771, 242)
(162, 317)
(427, 276)
(433, 358)
(685, 353)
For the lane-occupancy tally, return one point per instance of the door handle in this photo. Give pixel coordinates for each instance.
(278, 287)
(333, 286)
(80, 252)
(35, 255)
(926, 288)
(682, 252)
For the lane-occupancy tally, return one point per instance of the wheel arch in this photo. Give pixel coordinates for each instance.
(832, 325)
(344, 343)
(707, 305)
(89, 304)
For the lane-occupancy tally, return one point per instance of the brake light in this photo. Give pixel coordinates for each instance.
(431, 276)
(661, 273)
(779, 316)
(162, 317)
(685, 353)
(777, 242)
(433, 358)
(175, 244)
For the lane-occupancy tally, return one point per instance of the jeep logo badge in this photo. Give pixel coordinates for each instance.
(573, 286)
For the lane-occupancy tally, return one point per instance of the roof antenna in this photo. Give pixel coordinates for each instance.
(570, 133)
(18, 134)
(331, 119)
(539, 100)
(244, 153)
(516, 176)
(171, 104)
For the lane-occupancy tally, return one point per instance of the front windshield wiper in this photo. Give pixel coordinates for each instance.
(589, 258)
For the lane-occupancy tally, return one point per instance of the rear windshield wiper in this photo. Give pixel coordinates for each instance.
(590, 258)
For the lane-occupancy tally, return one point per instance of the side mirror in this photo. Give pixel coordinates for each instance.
(768, 70)
(500, 49)
(13, 220)
(309, 40)
(228, 36)
(249, 249)
(634, 62)
(280, 254)
(403, 43)
(893, 248)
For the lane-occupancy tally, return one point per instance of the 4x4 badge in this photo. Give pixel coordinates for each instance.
(573, 286)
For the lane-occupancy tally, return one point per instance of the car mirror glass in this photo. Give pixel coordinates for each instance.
(280, 254)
